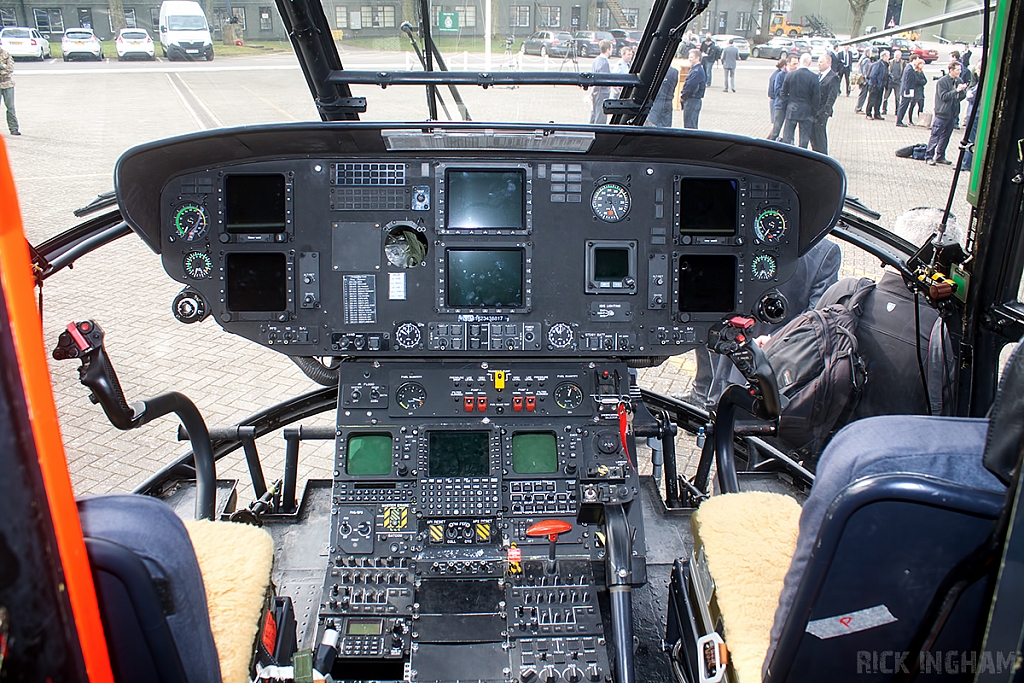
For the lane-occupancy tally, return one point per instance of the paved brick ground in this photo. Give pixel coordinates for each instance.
(76, 121)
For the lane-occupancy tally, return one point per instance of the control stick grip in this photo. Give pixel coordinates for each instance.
(84, 340)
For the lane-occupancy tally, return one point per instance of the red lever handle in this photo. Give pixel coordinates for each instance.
(550, 528)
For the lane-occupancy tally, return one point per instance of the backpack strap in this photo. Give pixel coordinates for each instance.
(844, 291)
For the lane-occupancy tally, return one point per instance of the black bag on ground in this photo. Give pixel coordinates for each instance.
(912, 151)
(819, 371)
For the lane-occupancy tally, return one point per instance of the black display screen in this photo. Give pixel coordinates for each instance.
(254, 203)
(256, 282)
(707, 283)
(485, 199)
(458, 454)
(707, 206)
(479, 278)
(611, 265)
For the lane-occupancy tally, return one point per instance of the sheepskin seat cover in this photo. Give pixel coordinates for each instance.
(235, 560)
(748, 539)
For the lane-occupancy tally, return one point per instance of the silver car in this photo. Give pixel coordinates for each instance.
(741, 44)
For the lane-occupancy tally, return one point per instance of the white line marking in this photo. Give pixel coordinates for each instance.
(184, 102)
(198, 100)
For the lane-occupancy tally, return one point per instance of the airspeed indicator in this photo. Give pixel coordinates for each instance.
(610, 202)
(770, 226)
(190, 222)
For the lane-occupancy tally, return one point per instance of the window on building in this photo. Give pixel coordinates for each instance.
(266, 23)
(84, 17)
(782, 5)
(549, 17)
(154, 17)
(705, 21)
(519, 16)
(378, 16)
(632, 16)
(743, 21)
(8, 17)
(435, 15)
(340, 16)
(48, 21)
(355, 20)
(467, 15)
(220, 16)
(604, 17)
(129, 19)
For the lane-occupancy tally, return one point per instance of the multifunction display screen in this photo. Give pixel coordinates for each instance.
(707, 206)
(485, 199)
(534, 453)
(482, 278)
(369, 454)
(256, 281)
(255, 203)
(458, 454)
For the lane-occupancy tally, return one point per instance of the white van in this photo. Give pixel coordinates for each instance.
(184, 33)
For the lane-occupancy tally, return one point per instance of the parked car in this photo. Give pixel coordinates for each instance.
(624, 38)
(24, 42)
(819, 47)
(81, 42)
(927, 54)
(741, 44)
(801, 47)
(134, 42)
(776, 48)
(588, 43)
(544, 43)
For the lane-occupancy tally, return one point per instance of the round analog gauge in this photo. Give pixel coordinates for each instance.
(770, 226)
(560, 336)
(190, 222)
(198, 265)
(408, 336)
(763, 267)
(568, 396)
(411, 395)
(610, 202)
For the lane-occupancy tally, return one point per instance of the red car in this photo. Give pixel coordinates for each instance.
(924, 53)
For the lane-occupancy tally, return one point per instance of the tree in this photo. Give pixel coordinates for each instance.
(766, 20)
(117, 16)
(860, 10)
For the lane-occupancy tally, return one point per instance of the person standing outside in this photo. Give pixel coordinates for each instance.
(780, 100)
(912, 82)
(802, 93)
(949, 91)
(893, 85)
(846, 66)
(877, 80)
(775, 90)
(599, 95)
(692, 94)
(863, 69)
(626, 61)
(660, 115)
(730, 56)
(828, 83)
(7, 89)
(709, 55)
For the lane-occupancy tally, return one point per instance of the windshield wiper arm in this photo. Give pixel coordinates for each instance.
(408, 29)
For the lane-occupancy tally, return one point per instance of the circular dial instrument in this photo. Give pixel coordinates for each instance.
(408, 336)
(770, 226)
(568, 396)
(411, 395)
(198, 265)
(610, 202)
(560, 336)
(763, 267)
(191, 222)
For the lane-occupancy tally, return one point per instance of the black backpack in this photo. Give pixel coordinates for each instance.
(819, 371)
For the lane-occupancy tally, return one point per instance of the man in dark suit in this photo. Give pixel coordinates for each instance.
(801, 92)
(893, 86)
(710, 52)
(828, 83)
(878, 78)
(846, 66)
(949, 91)
(913, 80)
(692, 95)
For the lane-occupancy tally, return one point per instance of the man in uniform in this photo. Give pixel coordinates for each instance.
(7, 89)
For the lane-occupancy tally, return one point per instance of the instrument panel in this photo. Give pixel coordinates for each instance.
(466, 254)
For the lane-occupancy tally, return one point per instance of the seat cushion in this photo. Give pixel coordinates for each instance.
(235, 560)
(748, 540)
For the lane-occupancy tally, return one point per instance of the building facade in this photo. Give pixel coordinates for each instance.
(517, 18)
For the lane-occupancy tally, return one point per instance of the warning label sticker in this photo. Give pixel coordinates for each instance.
(843, 624)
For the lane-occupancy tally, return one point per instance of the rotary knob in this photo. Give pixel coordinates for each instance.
(189, 307)
(560, 336)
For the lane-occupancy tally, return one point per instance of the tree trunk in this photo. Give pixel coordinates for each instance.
(766, 20)
(116, 16)
(860, 10)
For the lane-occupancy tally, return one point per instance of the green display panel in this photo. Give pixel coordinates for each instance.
(458, 454)
(535, 453)
(369, 454)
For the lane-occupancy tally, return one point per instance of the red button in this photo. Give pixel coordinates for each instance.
(481, 403)
(517, 403)
(531, 403)
(468, 403)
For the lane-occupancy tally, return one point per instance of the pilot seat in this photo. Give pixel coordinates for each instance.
(874, 586)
